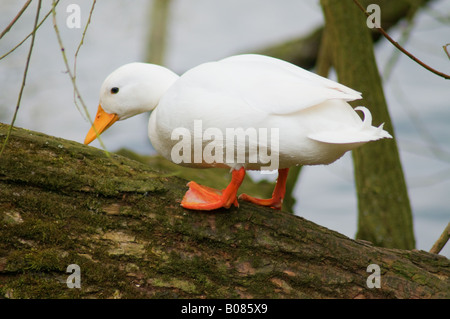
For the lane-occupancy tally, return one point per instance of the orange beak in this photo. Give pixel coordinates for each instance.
(101, 123)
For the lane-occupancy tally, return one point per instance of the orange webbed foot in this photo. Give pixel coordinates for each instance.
(276, 202)
(200, 197)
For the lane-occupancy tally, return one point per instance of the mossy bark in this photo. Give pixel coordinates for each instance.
(384, 211)
(120, 221)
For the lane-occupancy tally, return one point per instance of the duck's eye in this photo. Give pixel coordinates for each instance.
(115, 90)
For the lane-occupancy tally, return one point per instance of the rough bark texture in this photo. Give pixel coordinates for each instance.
(65, 203)
(384, 212)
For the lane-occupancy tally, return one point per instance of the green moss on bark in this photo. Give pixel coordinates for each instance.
(132, 239)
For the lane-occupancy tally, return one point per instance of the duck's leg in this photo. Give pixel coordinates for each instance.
(200, 197)
(278, 193)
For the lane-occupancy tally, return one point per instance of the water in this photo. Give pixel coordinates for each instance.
(205, 30)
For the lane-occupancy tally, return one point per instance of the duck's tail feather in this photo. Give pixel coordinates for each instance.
(362, 133)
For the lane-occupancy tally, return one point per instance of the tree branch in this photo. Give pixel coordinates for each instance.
(19, 98)
(25, 6)
(75, 93)
(445, 49)
(66, 203)
(440, 243)
(29, 35)
(71, 75)
(384, 210)
(304, 51)
(398, 46)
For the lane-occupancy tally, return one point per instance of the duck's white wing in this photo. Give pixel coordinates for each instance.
(273, 85)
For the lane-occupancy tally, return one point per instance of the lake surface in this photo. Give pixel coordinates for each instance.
(205, 30)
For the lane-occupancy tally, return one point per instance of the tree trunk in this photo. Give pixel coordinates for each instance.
(120, 221)
(158, 32)
(313, 51)
(384, 212)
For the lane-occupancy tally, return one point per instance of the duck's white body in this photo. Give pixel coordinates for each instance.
(316, 124)
(297, 117)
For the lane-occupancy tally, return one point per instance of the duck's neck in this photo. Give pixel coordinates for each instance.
(158, 84)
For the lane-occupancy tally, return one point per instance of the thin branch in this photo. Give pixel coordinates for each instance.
(29, 35)
(72, 77)
(25, 6)
(398, 46)
(446, 50)
(66, 62)
(24, 78)
(440, 243)
(76, 57)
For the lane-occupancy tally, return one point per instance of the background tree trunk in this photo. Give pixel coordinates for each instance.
(156, 46)
(384, 211)
(313, 51)
(65, 203)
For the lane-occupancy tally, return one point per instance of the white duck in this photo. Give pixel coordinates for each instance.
(306, 116)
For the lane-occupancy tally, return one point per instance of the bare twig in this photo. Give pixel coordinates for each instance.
(29, 35)
(76, 56)
(72, 77)
(25, 6)
(398, 46)
(23, 79)
(440, 243)
(66, 62)
(445, 49)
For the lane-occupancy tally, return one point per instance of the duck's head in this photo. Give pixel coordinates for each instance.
(131, 89)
